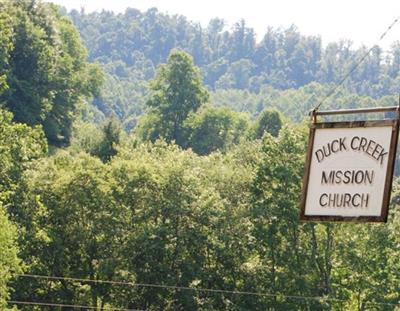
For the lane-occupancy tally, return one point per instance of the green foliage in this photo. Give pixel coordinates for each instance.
(9, 261)
(175, 92)
(130, 45)
(214, 129)
(237, 76)
(19, 145)
(182, 212)
(246, 76)
(111, 132)
(274, 212)
(152, 215)
(74, 227)
(150, 127)
(5, 47)
(157, 214)
(122, 96)
(86, 137)
(269, 121)
(98, 141)
(294, 104)
(146, 210)
(43, 69)
(176, 98)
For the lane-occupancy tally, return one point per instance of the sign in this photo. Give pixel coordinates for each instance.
(349, 171)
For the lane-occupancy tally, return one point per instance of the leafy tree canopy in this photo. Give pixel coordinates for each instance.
(269, 121)
(175, 92)
(9, 261)
(43, 68)
(214, 128)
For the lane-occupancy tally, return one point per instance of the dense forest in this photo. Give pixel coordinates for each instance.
(238, 71)
(147, 163)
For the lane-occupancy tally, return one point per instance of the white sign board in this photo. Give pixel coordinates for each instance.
(349, 171)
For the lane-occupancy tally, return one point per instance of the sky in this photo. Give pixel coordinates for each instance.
(363, 22)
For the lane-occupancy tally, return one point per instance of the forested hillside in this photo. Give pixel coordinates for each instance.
(160, 167)
(131, 45)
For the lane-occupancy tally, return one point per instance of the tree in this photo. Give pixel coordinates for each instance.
(213, 129)
(269, 121)
(110, 139)
(86, 137)
(19, 146)
(274, 212)
(44, 67)
(9, 261)
(149, 127)
(242, 41)
(237, 76)
(5, 47)
(74, 230)
(184, 224)
(175, 92)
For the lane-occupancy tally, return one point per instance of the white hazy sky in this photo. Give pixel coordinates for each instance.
(360, 21)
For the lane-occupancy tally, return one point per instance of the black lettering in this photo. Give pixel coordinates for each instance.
(381, 155)
(327, 150)
(339, 175)
(335, 142)
(320, 200)
(357, 200)
(364, 200)
(324, 178)
(347, 199)
(353, 201)
(359, 177)
(369, 175)
(354, 146)
(363, 143)
(342, 144)
(341, 201)
(370, 147)
(376, 151)
(331, 201)
(346, 176)
(319, 154)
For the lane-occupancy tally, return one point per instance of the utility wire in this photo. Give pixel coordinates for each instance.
(221, 291)
(49, 304)
(208, 290)
(334, 89)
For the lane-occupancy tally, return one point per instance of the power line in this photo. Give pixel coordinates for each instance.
(334, 89)
(209, 290)
(50, 304)
(221, 291)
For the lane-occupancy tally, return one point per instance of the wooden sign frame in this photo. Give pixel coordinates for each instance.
(394, 123)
